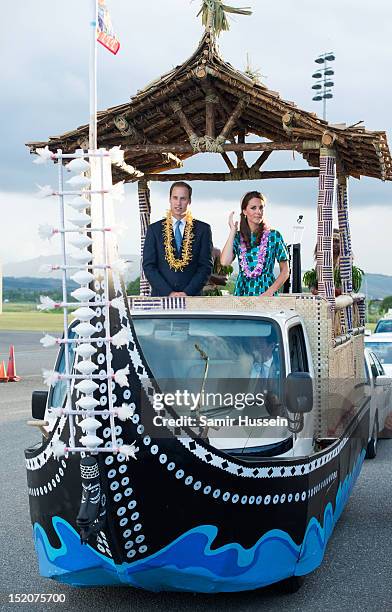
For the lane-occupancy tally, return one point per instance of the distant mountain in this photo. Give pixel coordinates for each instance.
(27, 275)
(377, 286)
(32, 268)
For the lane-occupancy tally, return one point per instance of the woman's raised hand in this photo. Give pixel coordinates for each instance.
(233, 224)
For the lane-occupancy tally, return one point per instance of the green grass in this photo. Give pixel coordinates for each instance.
(26, 317)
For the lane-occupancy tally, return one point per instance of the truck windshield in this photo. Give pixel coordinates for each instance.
(225, 359)
(383, 350)
(383, 326)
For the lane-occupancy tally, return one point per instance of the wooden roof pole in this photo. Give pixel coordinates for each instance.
(180, 147)
(260, 160)
(231, 120)
(236, 175)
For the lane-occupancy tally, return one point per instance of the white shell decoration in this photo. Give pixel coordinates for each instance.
(86, 367)
(86, 350)
(79, 203)
(84, 313)
(83, 277)
(79, 181)
(90, 424)
(84, 257)
(91, 441)
(78, 165)
(87, 386)
(87, 403)
(85, 329)
(81, 220)
(81, 241)
(83, 294)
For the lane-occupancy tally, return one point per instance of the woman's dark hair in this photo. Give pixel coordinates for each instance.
(244, 225)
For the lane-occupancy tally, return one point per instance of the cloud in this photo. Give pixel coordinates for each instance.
(45, 49)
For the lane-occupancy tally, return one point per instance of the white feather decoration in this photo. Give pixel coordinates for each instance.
(125, 412)
(50, 377)
(48, 340)
(78, 165)
(83, 277)
(117, 192)
(86, 367)
(85, 350)
(79, 181)
(89, 425)
(45, 231)
(46, 303)
(121, 377)
(122, 338)
(129, 450)
(81, 241)
(91, 441)
(45, 269)
(119, 266)
(81, 220)
(83, 294)
(56, 412)
(117, 303)
(43, 156)
(84, 313)
(87, 386)
(116, 155)
(85, 329)
(84, 257)
(58, 449)
(79, 203)
(45, 191)
(87, 403)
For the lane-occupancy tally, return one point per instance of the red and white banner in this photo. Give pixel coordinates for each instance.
(105, 33)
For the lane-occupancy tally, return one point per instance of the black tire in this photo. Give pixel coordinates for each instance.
(371, 450)
(290, 585)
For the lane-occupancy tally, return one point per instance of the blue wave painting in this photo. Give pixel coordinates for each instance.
(189, 563)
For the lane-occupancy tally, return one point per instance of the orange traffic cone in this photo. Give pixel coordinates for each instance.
(11, 369)
(3, 375)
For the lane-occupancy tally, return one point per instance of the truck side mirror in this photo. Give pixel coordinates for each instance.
(38, 404)
(299, 392)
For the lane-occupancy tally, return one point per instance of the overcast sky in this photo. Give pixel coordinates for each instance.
(44, 51)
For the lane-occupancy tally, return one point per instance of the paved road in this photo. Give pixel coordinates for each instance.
(355, 575)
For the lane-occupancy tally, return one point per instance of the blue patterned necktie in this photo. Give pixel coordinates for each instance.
(178, 236)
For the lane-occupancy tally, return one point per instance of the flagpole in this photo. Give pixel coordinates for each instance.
(93, 75)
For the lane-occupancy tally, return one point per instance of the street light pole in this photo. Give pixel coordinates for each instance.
(323, 85)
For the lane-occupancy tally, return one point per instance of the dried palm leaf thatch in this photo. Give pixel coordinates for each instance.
(213, 14)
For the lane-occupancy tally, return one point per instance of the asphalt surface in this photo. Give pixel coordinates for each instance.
(355, 575)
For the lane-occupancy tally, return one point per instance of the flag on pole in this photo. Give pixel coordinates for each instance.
(105, 33)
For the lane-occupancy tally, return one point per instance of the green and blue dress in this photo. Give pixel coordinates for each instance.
(276, 251)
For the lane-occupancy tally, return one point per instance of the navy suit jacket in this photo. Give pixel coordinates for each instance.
(162, 278)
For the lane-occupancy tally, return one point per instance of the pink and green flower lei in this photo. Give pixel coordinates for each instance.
(261, 255)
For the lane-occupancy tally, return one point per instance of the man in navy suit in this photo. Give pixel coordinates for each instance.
(162, 272)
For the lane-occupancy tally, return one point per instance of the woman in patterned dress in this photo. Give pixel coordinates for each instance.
(257, 247)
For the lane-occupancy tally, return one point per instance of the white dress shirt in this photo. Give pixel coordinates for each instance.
(181, 226)
(261, 370)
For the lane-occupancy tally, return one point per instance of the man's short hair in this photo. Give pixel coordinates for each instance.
(181, 184)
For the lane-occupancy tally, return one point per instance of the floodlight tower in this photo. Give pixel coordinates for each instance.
(324, 85)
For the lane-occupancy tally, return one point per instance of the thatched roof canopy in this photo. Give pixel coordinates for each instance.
(205, 104)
